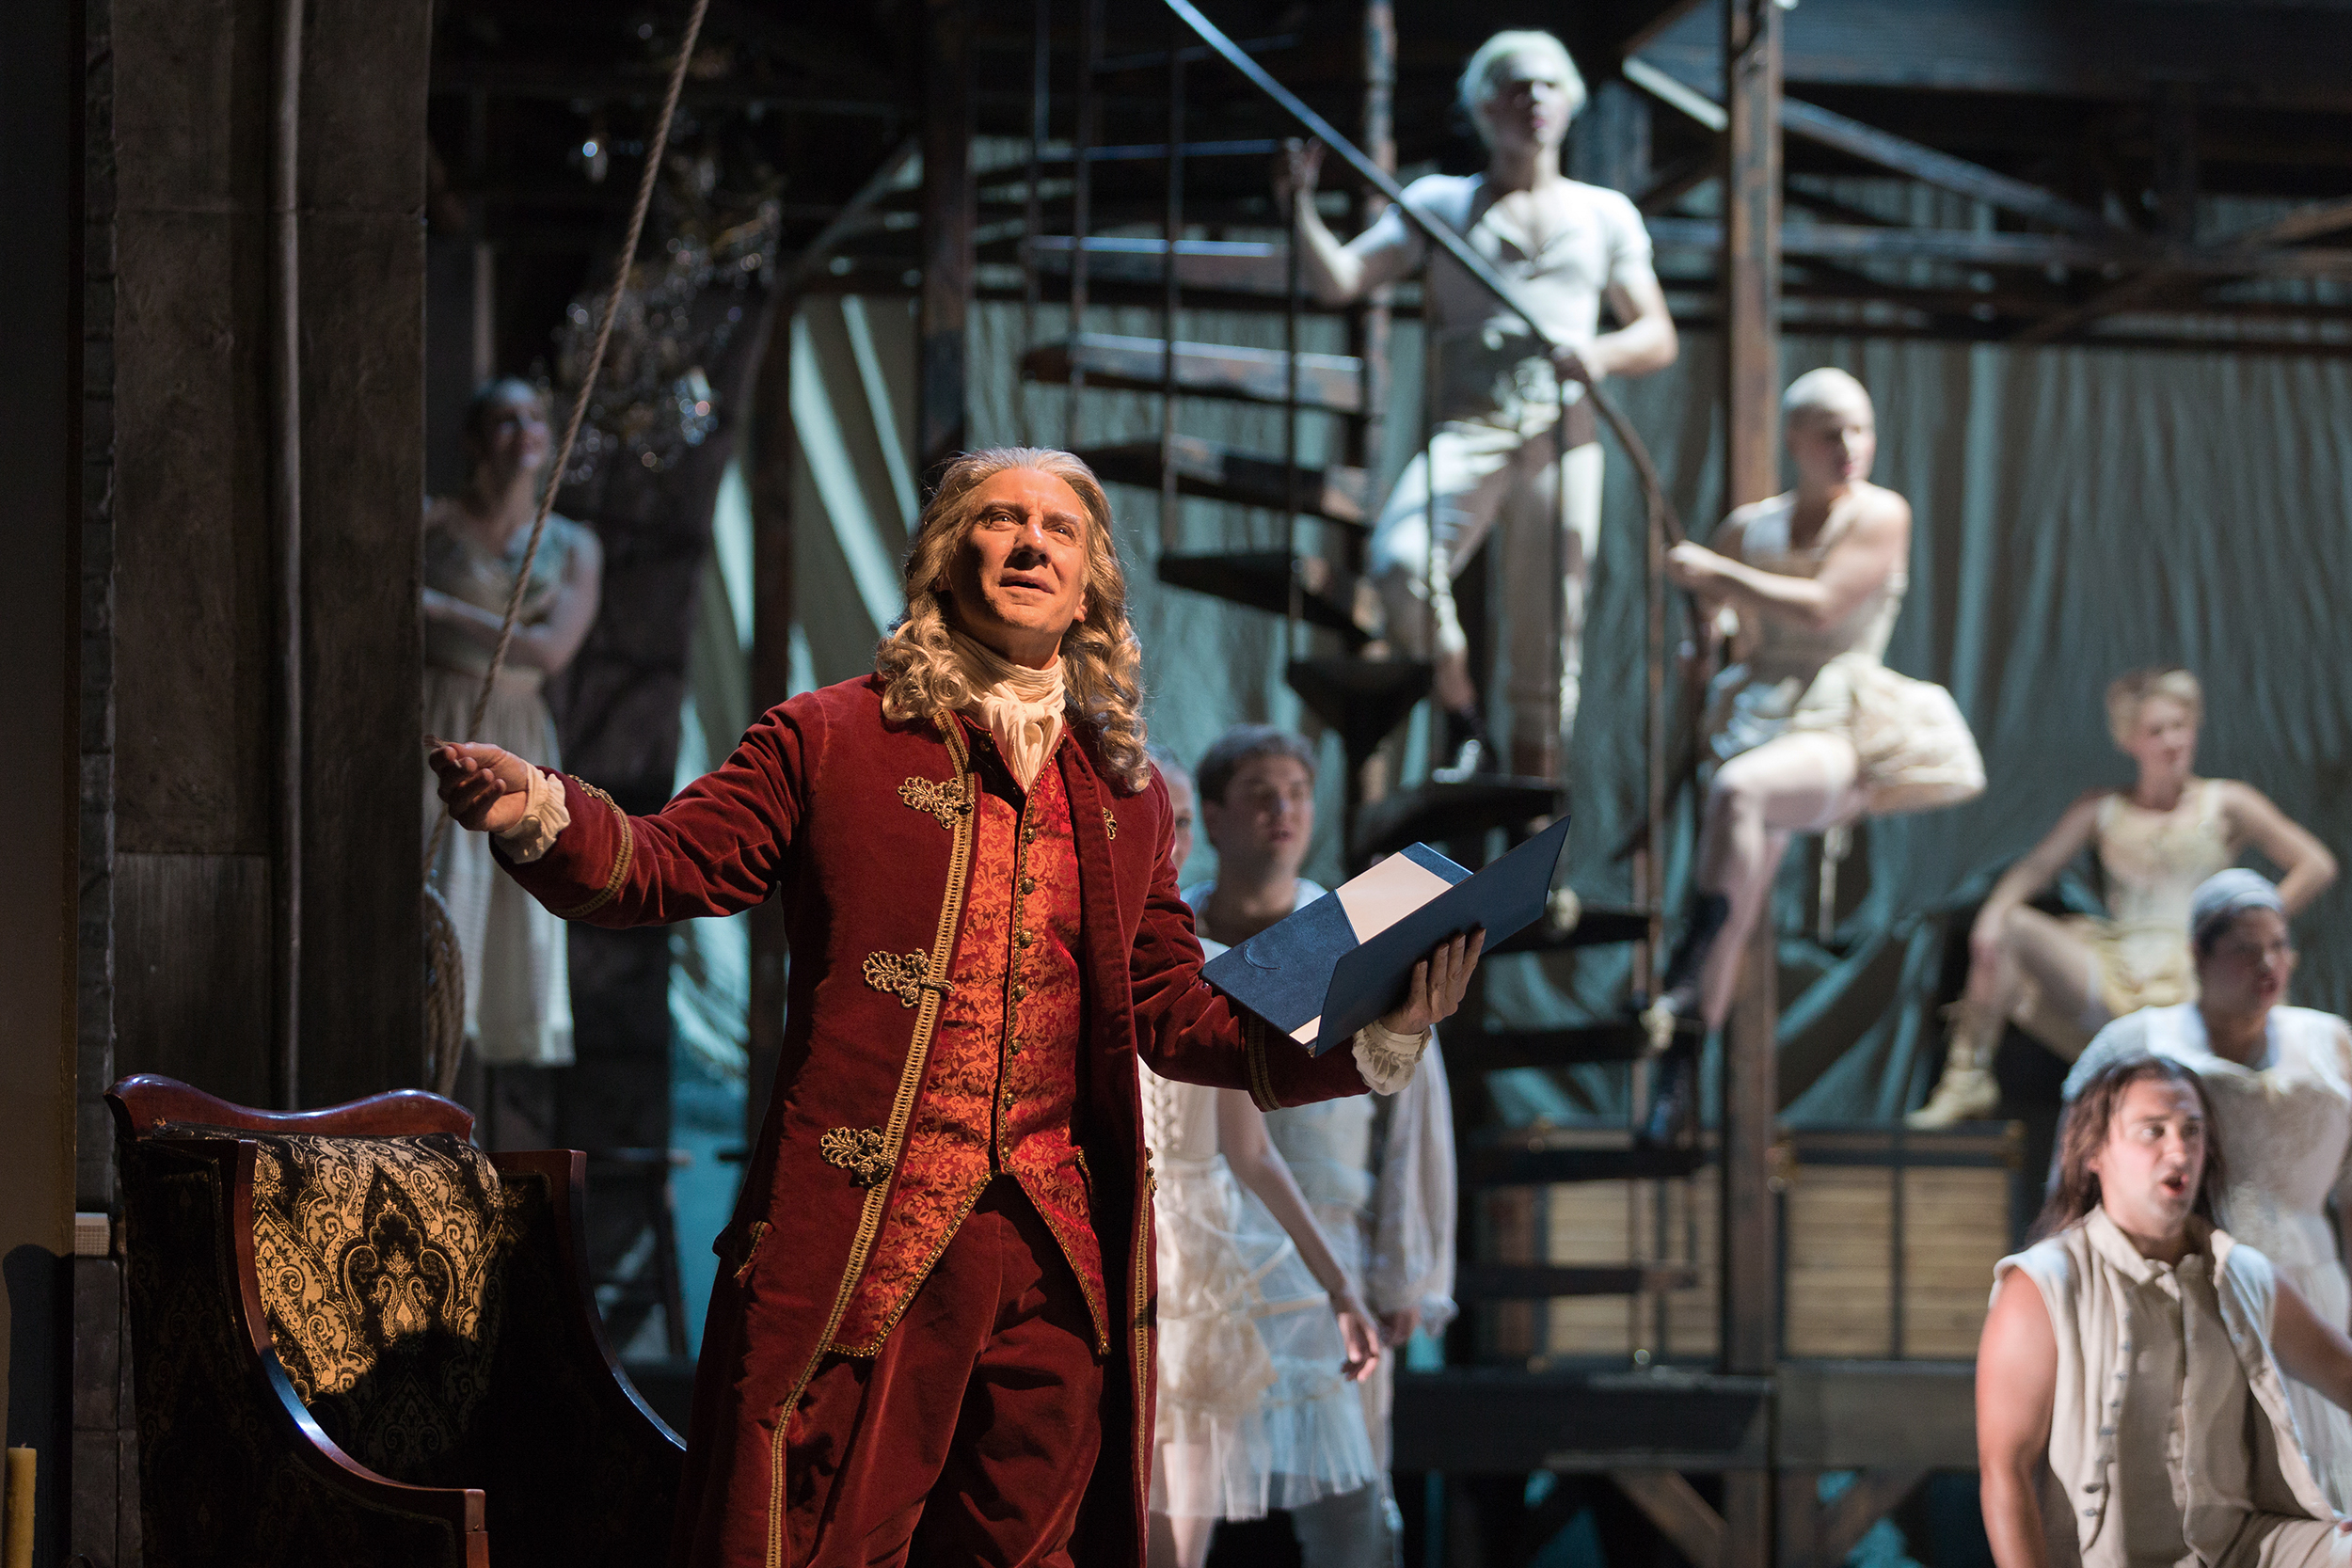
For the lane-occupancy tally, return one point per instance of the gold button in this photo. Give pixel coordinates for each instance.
(1020, 991)
(1028, 884)
(1021, 938)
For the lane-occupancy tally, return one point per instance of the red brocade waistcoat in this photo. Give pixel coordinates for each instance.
(1004, 1070)
(873, 836)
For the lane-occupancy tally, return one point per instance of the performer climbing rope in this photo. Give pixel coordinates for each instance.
(1516, 444)
(2129, 1377)
(932, 1328)
(2061, 978)
(1807, 730)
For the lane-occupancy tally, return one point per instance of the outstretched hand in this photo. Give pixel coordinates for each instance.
(1439, 981)
(1296, 168)
(484, 788)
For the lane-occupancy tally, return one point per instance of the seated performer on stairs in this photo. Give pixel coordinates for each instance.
(1262, 1335)
(1515, 443)
(1378, 1173)
(2132, 1408)
(1807, 729)
(2060, 977)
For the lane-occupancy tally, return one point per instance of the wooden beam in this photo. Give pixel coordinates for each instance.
(850, 218)
(1974, 248)
(1872, 1495)
(1669, 1501)
(949, 219)
(1940, 170)
(2252, 250)
(1886, 149)
(1751, 295)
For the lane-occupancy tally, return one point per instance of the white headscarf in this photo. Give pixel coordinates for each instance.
(1021, 707)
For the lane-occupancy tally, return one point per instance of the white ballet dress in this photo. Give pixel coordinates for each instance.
(2285, 1130)
(1254, 1413)
(1913, 746)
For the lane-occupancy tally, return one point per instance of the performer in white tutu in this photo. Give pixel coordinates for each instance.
(2061, 978)
(2279, 1080)
(1379, 1175)
(1807, 729)
(1262, 1336)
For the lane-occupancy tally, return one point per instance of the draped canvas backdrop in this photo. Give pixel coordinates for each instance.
(2078, 513)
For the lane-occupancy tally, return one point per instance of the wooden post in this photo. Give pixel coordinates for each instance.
(948, 215)
(1751, 313)
(772, 615)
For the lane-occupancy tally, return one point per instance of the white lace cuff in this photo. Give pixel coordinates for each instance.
(544, 815)
(1386, 1058)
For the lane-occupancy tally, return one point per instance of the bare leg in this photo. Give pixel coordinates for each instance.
(2060, 966)
(1796, 783)
(1179, 1542)
(2034, 949)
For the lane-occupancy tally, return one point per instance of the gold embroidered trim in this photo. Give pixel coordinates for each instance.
(620, 857)
(1110, 824)
(1260, 1077)
(901, 975)
(863, 1151)
(945, 801)
(757, 1233)
(894, 1136)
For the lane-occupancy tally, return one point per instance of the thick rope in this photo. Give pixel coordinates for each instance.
(441, 1055)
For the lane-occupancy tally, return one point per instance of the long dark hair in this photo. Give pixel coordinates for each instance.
(2083, 1132)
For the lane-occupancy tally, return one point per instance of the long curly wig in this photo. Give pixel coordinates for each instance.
(1101, 664)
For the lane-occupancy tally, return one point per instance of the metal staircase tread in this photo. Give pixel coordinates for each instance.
(1540, 1281)
(1597, 926)
(1434, 812)
(1261, 580)
(1495, 1050)
(1217, 472)
(1331, 383)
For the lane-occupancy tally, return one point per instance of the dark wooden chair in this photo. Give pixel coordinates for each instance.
(359, 1339)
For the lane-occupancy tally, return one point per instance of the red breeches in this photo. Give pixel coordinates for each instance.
(970, 1438)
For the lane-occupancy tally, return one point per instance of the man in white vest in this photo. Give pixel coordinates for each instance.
(2136, 1352)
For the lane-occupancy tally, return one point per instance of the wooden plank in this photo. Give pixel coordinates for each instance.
(1218, 472)
(1855, 1415)
(1485, 1421)
(1492, 1281)
(1682, 1516)
(192, 971)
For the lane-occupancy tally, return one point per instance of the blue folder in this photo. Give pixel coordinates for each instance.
(1315, 969)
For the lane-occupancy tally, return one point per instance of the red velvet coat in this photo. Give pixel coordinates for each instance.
(862, 827)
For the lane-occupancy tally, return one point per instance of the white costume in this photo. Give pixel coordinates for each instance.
(2170, 1441)
(2150, 866)
(1496, 455)
(2284, 1129)
(519, 995)
(1254, 1411)
(1914, 749)
(1390, 1215)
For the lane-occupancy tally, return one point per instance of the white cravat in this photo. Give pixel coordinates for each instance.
(1021, 707)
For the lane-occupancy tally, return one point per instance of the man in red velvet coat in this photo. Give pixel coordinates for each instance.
(932, 1338)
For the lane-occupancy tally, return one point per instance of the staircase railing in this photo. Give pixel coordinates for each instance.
(1664, 528)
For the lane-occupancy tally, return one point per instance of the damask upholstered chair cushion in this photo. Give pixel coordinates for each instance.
(358, 1341)
(381, 1267)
